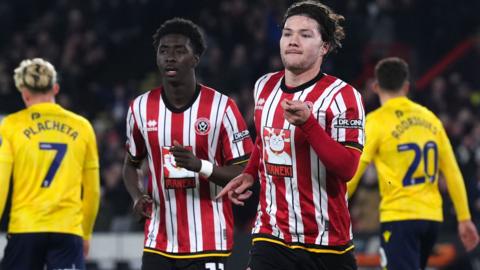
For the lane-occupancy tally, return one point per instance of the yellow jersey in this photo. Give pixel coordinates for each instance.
(409, 148)
(53, 153)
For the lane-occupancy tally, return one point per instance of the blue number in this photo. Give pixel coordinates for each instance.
(408, 178)
(430, 146)
(61, 148)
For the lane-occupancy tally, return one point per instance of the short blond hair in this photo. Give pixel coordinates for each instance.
(37, 75)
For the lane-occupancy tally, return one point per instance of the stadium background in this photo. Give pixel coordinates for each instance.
(103, 53)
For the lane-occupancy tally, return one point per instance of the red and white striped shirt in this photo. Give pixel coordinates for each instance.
(186, 219)
(302, 204)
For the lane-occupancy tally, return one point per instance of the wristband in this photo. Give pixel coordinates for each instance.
(207, 168)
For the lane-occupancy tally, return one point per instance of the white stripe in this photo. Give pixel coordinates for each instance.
(216, 116)
(270, 195)
(325, 98)
(260, 84)
(339, 134)
(189, 193)
(171, 203)
(291, 184)
(231, 126)
(141, 118)
(132, 146)
(361, 112)
(196, 191)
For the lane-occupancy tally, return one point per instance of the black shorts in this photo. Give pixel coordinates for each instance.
(406, 245)
(153, 261)
(33, 251)
(269, 256)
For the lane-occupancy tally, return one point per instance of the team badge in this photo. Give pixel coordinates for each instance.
(202, 126)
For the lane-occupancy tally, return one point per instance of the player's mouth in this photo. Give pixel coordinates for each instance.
(171, 71)
(293, 52)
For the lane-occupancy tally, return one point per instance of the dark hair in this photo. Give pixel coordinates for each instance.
(391, 73)
(329, 22)
(183, 27)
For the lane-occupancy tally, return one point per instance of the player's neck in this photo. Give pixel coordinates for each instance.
(294, 78)
(385, 96)
(39, 99)
(180, 94)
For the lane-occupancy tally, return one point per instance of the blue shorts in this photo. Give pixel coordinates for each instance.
(406, 245)
(34, 251)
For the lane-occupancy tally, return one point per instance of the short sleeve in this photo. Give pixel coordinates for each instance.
(235, 137)
(347, 125)
(135, 143)
(91, 159)
(6, 152)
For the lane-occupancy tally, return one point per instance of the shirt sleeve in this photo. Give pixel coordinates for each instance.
(6, 153)
(371, 147)
(235, 137)
(91, 158)
(6, 162)
(453, 177)
(347, 116)
(135, 144)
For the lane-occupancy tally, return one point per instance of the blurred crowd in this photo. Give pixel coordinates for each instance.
(103, 53)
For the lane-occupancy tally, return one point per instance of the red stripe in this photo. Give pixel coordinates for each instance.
(282, 214)
(304, 170)
(180, 194)
(208, 229)
(264, 94)
(353, 112)
(339, 230)
(152, 114)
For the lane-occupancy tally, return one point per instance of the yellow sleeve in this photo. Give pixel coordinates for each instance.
(91, 186)
(453, 177)
(353, 184)
(6, 162)
(372, 138)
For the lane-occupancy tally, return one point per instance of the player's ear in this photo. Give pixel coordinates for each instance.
(406, 88)
(375, 86)
(56, 89)
(26, 96)
(196, 60)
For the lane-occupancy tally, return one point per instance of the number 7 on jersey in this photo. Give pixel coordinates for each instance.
(61, 148)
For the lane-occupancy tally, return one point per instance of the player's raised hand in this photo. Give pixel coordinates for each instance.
(295, 112)
(468, 234)
(140, 206)
(237, 189)
(185, 158)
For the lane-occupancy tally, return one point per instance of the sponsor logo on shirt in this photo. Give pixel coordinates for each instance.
(348, 123)
(152, 125)
(202, 126)
(176, 177)
(278, 152)
(240, 136)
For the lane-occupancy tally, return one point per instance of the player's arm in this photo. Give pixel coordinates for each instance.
(5, 173)
(234, 142)
(456, 188)
(90, 185)
(339, 159)
(91, 200)
(353, 183)
(6, 164)
(373, 137)
(219, 175)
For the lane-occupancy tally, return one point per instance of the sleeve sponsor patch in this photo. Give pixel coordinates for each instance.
(240, 136)
(348, 123)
